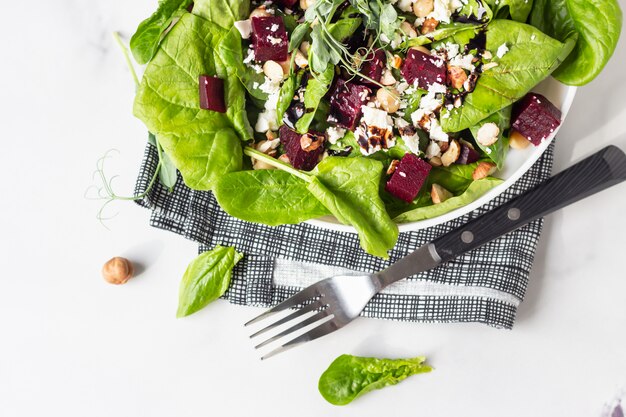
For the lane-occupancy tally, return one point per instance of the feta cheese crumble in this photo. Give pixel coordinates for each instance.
(334, 134)
(502, 50)
(244, 27)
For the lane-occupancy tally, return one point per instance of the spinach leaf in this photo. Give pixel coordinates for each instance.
(145, 41)
(519, 10)
(206, 279)
(222, 12)
(349, 188)
(202, 144)
(167, 170)
(298, 35)
(594, 25)
(286, 94)
(267, 196)
(475, 190)
(532, 56)
(316, 89)
(496, 152)
(348, 377)
(342, 29)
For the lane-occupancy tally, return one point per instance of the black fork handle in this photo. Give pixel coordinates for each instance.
(591, 175)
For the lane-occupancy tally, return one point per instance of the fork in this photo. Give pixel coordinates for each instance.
(331, 303)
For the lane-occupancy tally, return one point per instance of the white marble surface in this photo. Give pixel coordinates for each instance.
(72, 345)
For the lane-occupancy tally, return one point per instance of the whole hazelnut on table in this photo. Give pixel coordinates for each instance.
(117, 270)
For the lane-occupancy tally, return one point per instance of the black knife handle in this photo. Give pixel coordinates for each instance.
(591, 175)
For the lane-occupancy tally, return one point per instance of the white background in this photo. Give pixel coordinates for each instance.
(72, 345)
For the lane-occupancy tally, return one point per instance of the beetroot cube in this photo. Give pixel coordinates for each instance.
(373, 66)
(535, 118)
(292, 141)
(346, 102)
(212, 93)
(408, 178)
(468, 155)
(424, 68)
(269, 38)
(287, 3)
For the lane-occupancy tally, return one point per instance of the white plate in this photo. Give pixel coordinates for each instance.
(516, 165)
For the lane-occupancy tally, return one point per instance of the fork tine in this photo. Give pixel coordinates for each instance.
(298, 298)
(304, 310)
(300, 325)
(319, 331)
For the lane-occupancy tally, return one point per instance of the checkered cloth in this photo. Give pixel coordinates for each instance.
(485, 285)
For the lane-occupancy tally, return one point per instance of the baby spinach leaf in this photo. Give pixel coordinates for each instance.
(531, 57)
(202, 144)
(298, 35)
(267, 196)
(443, 31)
(519, 10)
(496, 152)
(222, 12)
(475, 190)
(348, 377)
(595, 25)
(316, 89)
(286, 94)
(206, 279)
(342, 29)
(145, 41)
(349, 188)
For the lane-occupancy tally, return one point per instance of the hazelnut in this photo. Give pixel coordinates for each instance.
(301, 60)
(408, 30)
(388, 99)
(488, 133)
(439, 194)
(273, 70)
(260, 11)
(305, 4)
(483, 170)
(429, 25)
(487, 55)
(421, 48)
(387, 78)
(422, 8)
(435, 161)
(393, 166)
(456, 77)
(266, 146)
(452, 154)
(518, 141)
(309, 142)
(117, 270)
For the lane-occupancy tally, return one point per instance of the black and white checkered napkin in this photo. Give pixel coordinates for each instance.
(485, 285)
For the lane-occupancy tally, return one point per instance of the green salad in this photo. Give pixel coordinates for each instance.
(376, 112)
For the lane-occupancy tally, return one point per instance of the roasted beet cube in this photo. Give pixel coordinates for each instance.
(468, 155)
(373, 66)
(304, 151)
(345, 103)
(408, 178)
(269, 38)
(535, 118)
(287, 3)
(424, 68)
(212, 93)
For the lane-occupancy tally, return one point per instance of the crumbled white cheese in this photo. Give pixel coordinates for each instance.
(384, 38)
(533, 37)
(273, 40)
(375, 117)
(433, 150)
(429, 103)
(402, 174)
(502, 50)
(274, 27)
(334, 134)
(400, 122)
(417, 116)
(257, 68)
(266, 121)
(402, 87)
(413, 143)
(249, 57)
(436, 132)
(244, 27)
(270, 87)
(443, 9)
(463, 61)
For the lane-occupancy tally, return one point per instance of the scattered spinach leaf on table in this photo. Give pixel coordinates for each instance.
(206, 279)
(349, 377)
